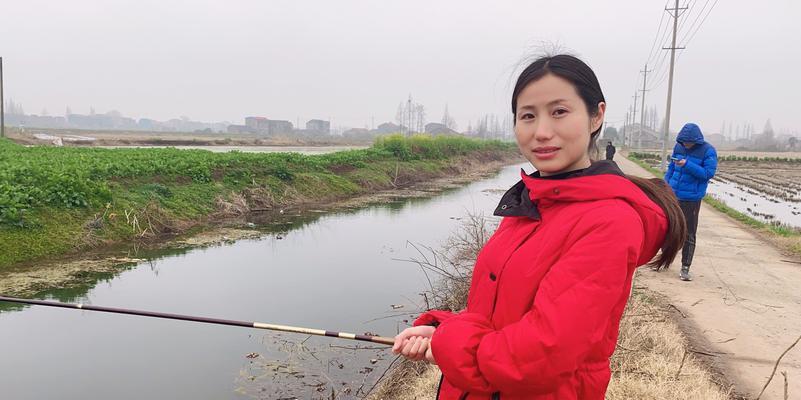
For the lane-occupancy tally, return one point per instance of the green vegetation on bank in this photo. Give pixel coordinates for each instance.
(56, 199)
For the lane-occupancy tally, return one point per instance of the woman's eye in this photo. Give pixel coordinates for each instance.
(527, 116)
(560, 111)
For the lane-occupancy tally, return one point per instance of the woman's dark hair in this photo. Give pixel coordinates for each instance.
(583, 79)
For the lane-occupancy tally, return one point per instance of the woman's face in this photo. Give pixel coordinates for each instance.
(553, 126)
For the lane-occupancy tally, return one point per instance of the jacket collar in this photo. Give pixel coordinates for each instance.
(522, 198)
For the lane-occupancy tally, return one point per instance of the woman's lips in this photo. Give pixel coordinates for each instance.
(545, 152)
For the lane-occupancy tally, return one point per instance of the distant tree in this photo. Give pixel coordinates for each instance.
(482, 126)
(447, 120)
(13, 108)
(508, 125)
(767, 140)
(792, 142)
(399, 116)
(411, 116)
(420, 113)
(610, 133)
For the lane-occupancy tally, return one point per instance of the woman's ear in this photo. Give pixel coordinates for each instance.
(598, 119)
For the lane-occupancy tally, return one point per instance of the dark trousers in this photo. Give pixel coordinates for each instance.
(690, 210)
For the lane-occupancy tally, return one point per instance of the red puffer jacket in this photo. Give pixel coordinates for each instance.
(549, 289)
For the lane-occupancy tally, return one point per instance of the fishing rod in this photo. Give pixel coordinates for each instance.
(257, 325)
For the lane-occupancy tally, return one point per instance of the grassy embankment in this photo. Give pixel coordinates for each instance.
(787, 238)
(57, 200)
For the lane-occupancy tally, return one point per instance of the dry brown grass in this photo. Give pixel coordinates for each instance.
(653, 359)
(409, 381)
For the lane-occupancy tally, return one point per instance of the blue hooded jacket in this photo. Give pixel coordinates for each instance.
(689, 182)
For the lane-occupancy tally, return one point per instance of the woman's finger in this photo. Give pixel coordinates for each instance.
(418, 345)
(421, 352)
(430, 355)
(407, 348)
(401, 338)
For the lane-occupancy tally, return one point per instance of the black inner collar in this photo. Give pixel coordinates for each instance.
(517, 203)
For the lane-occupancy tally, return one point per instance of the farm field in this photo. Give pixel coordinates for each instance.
(767, 188)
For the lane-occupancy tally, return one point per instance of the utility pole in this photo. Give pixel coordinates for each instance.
(634, 115)
(672, 48)
(625, 122)
(2, 103)
(645, 72)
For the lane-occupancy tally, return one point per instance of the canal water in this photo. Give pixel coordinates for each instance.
(335, 271)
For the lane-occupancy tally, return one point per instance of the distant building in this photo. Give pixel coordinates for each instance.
(435, 128)
(239, 129)
(645, 138)
(38, 121)
(264, 126)
(389, 127)
(256, 123)
(318, 126)
(148, 124)
(358, 133)
(279, 126)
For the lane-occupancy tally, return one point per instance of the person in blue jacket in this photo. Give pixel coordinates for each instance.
(693, 164)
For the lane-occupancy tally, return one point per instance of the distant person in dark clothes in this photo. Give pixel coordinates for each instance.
(692, 165)
(610, 151)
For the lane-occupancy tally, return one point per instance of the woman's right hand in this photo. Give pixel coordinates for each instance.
(413, 343)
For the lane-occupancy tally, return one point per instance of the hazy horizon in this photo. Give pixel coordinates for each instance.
(354, 61)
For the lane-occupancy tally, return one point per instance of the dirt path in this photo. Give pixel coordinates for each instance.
(745, 302)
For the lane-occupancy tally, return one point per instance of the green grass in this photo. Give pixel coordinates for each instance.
(56, 199)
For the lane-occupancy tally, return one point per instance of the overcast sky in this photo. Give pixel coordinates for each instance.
(357, 60)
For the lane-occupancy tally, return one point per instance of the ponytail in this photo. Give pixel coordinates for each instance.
(660, 193)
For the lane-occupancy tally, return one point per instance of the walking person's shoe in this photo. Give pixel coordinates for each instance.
(685, 273)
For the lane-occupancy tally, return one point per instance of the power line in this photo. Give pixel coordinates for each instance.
(689, 11)
(701, 24)
(661, 73)
(697, 17)
(653, 45)
(664, 39)
(660, 61)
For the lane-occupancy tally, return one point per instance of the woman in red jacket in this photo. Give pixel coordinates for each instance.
(550, 286)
